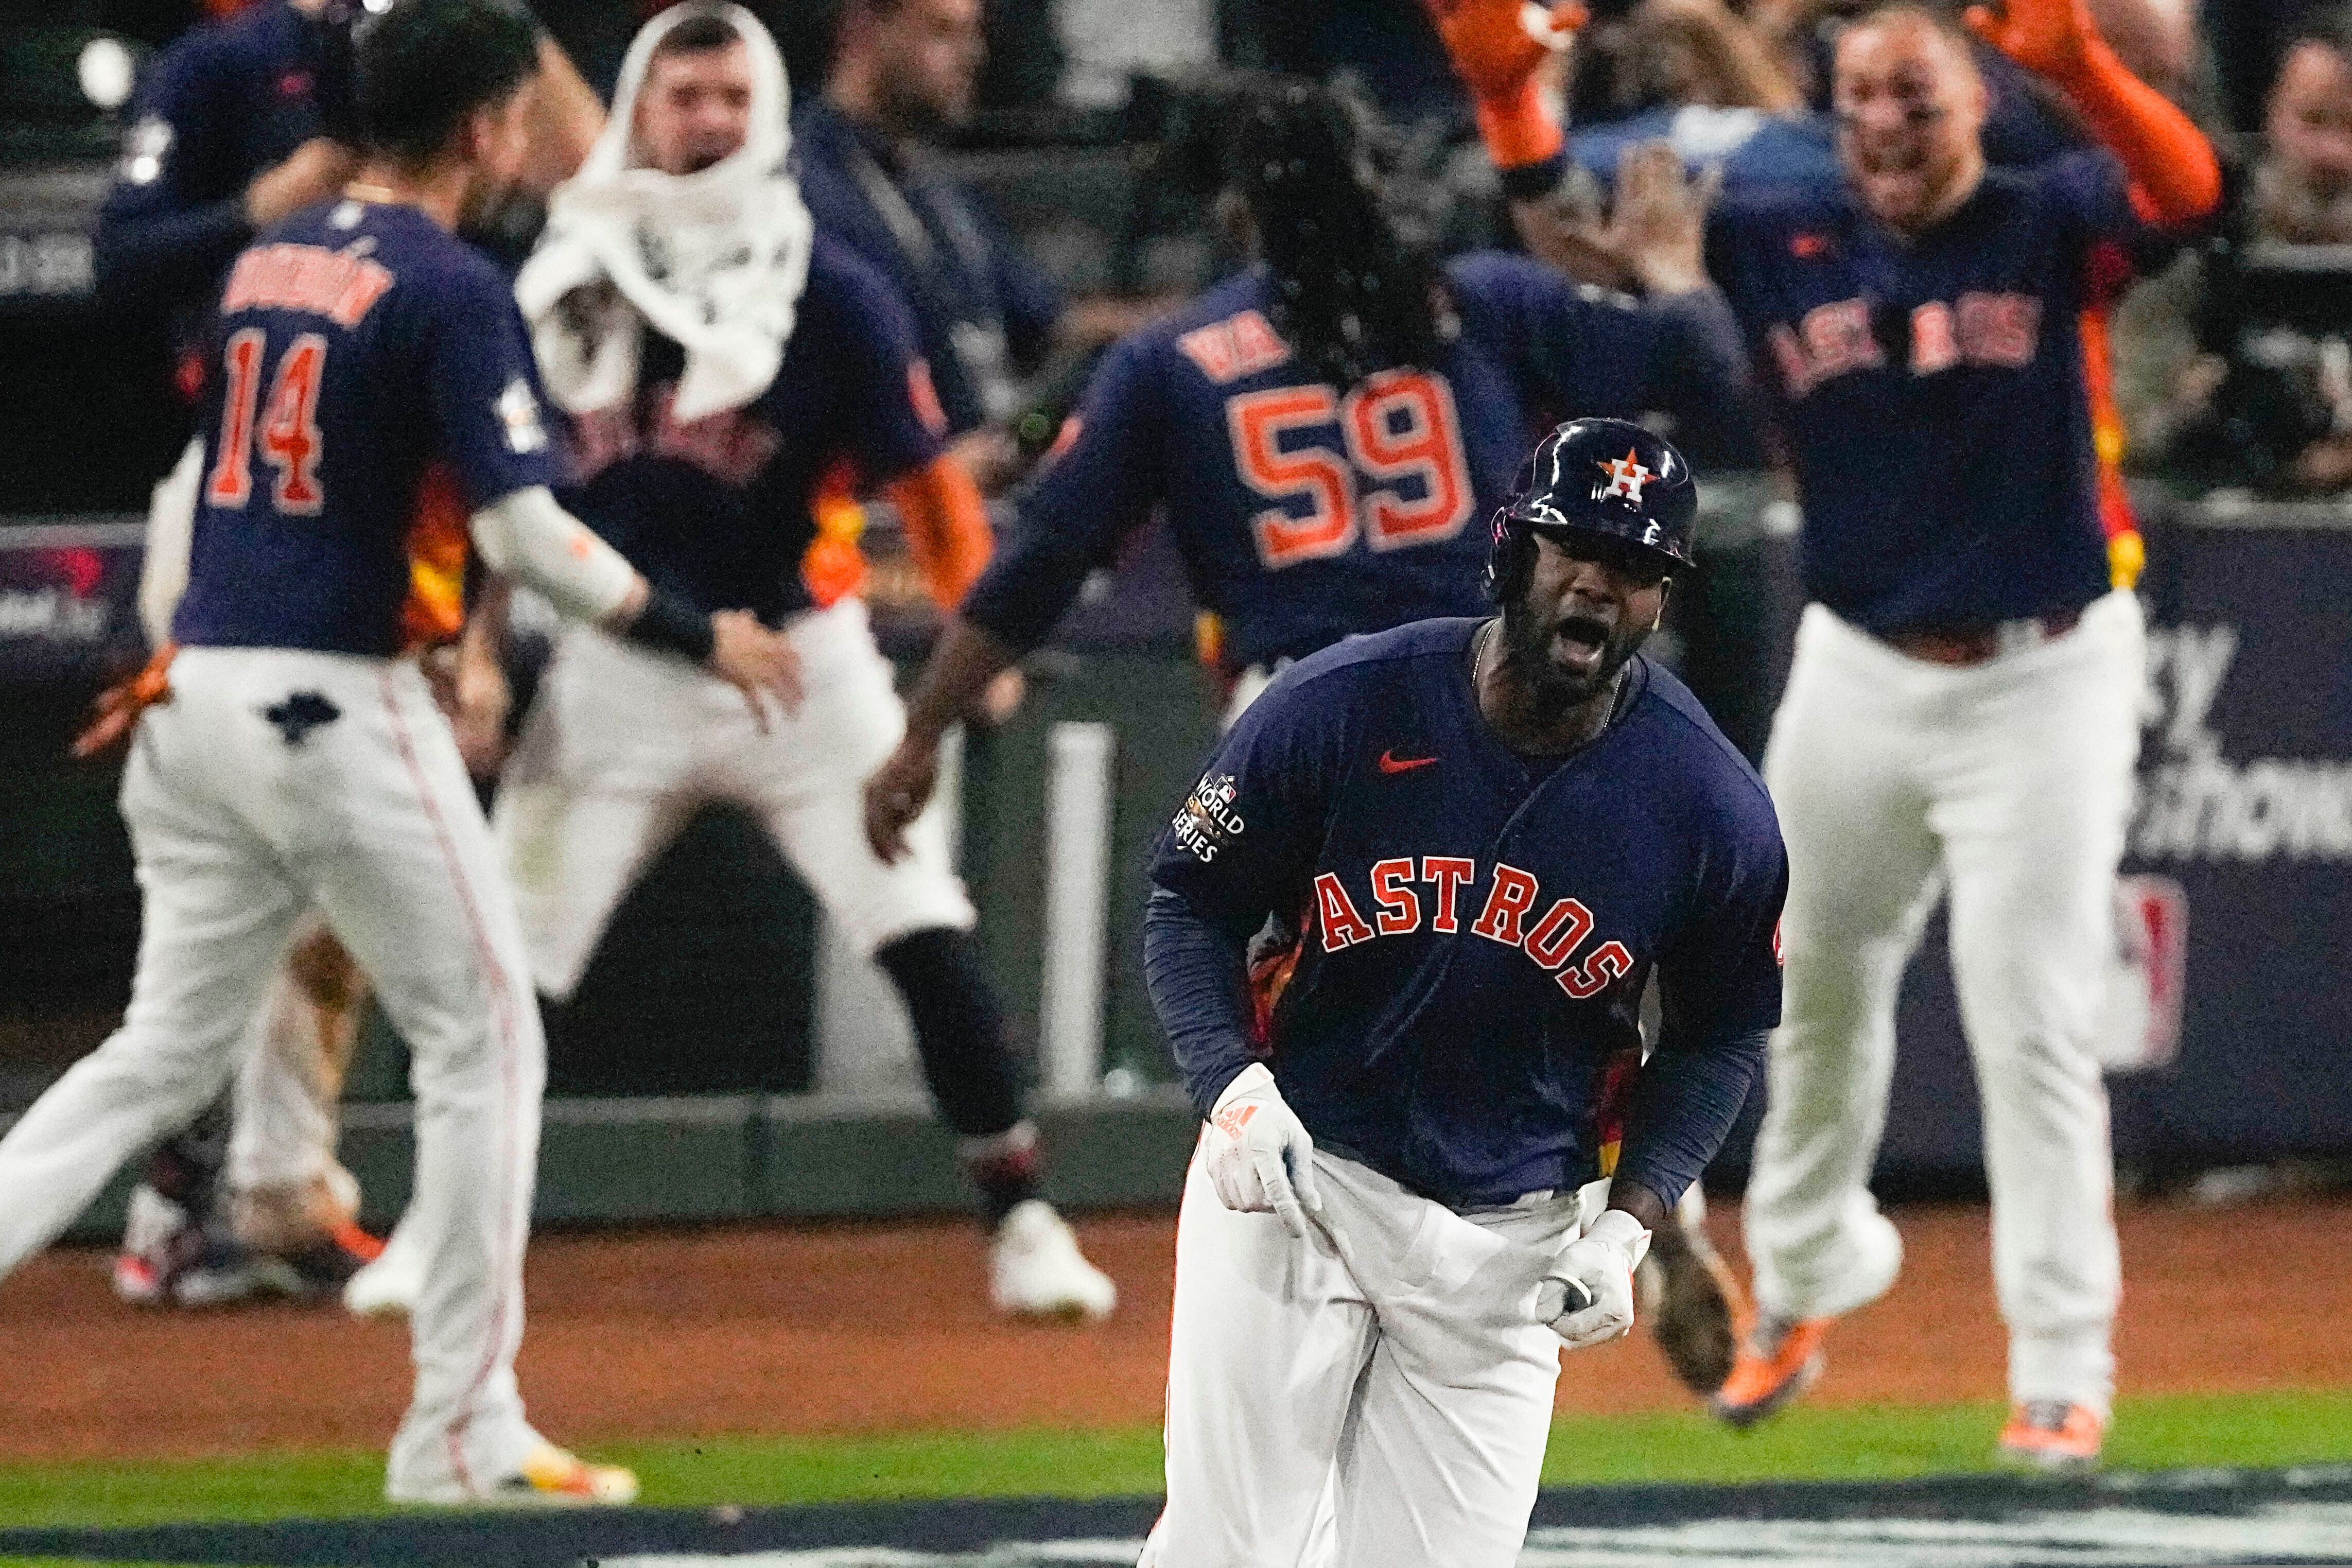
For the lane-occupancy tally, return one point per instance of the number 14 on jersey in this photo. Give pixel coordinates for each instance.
(289, 434)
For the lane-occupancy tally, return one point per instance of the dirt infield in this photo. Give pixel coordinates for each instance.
(885, 1327)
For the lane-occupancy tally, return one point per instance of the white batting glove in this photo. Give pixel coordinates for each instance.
(1259, 1157)
(1600, 1263)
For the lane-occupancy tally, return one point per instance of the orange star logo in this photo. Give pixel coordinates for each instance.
(1626, 475)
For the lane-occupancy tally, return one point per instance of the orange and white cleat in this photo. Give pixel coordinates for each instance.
(2053, 1436)
(557, 1477)
(1777, 1361)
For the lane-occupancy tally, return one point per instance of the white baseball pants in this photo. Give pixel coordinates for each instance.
(285, 1124)
(623, 744)
(238, 829)
(1393, 1362)
(2007, 784)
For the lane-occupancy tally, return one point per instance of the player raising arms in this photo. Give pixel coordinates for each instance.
(1490, 832)
(296, 763)
(1963, 710)
(719, 360)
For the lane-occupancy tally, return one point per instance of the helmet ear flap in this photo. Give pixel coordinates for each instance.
(1507, 566)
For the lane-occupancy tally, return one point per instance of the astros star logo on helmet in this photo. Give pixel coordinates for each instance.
(1626, 475)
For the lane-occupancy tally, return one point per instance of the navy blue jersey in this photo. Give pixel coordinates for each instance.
(1477, 927)
(1305, 513)
(224, 102)
(719, 509)
(983, 311)
(364, 357)
(1932, 391)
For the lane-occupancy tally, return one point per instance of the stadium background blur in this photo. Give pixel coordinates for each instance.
(723, 1060)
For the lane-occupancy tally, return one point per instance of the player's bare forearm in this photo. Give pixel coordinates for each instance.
(969, 657)
(566, 118)
(486, 623)
(311, 172)
(481, 699)
(960, 667)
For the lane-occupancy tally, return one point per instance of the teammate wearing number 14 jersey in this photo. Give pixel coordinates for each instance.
(296, 763)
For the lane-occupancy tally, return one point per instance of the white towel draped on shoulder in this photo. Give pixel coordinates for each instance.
(715, 260)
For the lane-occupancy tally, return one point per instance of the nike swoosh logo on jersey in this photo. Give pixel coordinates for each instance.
(1393, 764)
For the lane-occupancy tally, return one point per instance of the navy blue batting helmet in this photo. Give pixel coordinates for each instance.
(1607, 477)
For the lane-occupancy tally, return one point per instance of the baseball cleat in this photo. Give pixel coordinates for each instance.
(549, 1477)
(1776, 1363)
(227, 1273)
(1693, 1302)
(1035, 1269)
(159, 1239)
(557, 1477)
(2052, 1436)
(388, 1286)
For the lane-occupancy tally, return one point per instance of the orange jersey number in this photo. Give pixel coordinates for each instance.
(1400, 480)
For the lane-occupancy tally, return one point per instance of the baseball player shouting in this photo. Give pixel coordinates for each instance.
(1489, 832)
(1320, 433)
(296, 763)
(720, 359)
(1962, 716)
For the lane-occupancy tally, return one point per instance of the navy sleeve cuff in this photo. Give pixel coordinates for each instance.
(1198, 978)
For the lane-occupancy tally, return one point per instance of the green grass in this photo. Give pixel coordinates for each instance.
(1809, 1443)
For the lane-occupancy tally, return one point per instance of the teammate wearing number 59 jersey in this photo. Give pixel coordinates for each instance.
(1322, 430)
(296, 763)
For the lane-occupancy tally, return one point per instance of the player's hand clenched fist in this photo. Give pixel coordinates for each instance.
(1258, 1154)
(1601, 1262)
